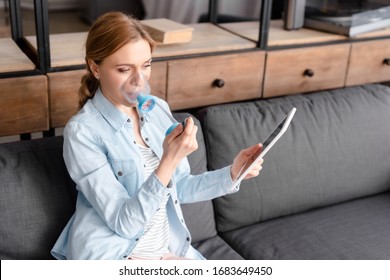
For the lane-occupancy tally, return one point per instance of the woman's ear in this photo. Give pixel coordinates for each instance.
(94, 68)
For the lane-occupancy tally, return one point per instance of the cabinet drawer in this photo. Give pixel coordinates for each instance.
(215, 79)
(64, 87)
(158, 79)
(369, 63)
(23, 105)
(305, 69)
(63, 95)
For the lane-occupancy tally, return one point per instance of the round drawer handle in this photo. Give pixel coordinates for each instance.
(219, 83)
(308, 73)
(386, 61)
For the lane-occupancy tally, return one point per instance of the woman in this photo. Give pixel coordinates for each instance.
(130, 177)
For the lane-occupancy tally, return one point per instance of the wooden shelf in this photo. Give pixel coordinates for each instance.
(12, 59)
(206, 38)
(279, 36)
(375, 34)
(67, 49)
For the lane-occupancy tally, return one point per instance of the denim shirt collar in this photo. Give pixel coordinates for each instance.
(112, 114)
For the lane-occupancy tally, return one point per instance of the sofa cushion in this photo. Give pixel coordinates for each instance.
(336, 149)
(215, 248)
(199, 216)
(37, 198)
(357, 229)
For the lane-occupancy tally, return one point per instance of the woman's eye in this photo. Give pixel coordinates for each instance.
(148, 63)
(124, 70)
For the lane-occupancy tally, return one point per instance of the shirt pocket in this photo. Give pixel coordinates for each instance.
(125, 171)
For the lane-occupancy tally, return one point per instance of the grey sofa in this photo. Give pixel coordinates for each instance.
(323, 192)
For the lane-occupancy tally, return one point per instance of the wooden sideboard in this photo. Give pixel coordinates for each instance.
(221, 64)
(307, 60)
(217, 66)
(24, 99)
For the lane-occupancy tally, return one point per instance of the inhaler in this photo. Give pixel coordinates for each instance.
(140, 93)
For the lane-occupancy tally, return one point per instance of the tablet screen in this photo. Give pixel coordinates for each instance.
(274, 133)
(269, 139)
(267, 145)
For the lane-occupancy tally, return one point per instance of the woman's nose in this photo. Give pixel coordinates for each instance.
(138, 79)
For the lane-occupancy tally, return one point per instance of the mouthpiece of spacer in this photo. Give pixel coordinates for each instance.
(145, 103)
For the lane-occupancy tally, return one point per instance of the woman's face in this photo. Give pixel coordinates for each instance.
(123, 71)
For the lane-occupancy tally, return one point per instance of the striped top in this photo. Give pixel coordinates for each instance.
(155, 241)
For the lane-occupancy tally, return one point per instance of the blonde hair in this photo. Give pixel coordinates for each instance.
(109, 33)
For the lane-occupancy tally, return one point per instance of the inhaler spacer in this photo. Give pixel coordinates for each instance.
(140, 93)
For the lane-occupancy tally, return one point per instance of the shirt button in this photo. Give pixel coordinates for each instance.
(146, 139)
(120, 173)
(142, 119)
(128, 120)
(188, 239)
(136, 239)
(125, 257)
(175, 201)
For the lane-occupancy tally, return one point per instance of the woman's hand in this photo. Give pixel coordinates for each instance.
(176, 146)
(181, 141)
(242, 158)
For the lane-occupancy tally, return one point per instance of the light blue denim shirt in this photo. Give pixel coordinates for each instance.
(115, 201)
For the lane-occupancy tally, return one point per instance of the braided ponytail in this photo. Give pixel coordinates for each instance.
(89, 84)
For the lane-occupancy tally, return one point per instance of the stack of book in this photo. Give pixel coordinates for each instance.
(349, 25)
(166, 31)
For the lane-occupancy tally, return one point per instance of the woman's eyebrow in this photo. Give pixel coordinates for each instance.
(131, 64)
(124, 64)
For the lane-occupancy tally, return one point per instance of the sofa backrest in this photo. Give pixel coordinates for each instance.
(336, 149)
(199, 217)
(37, 197)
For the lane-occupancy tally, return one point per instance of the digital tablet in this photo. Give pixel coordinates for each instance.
(267, 145)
